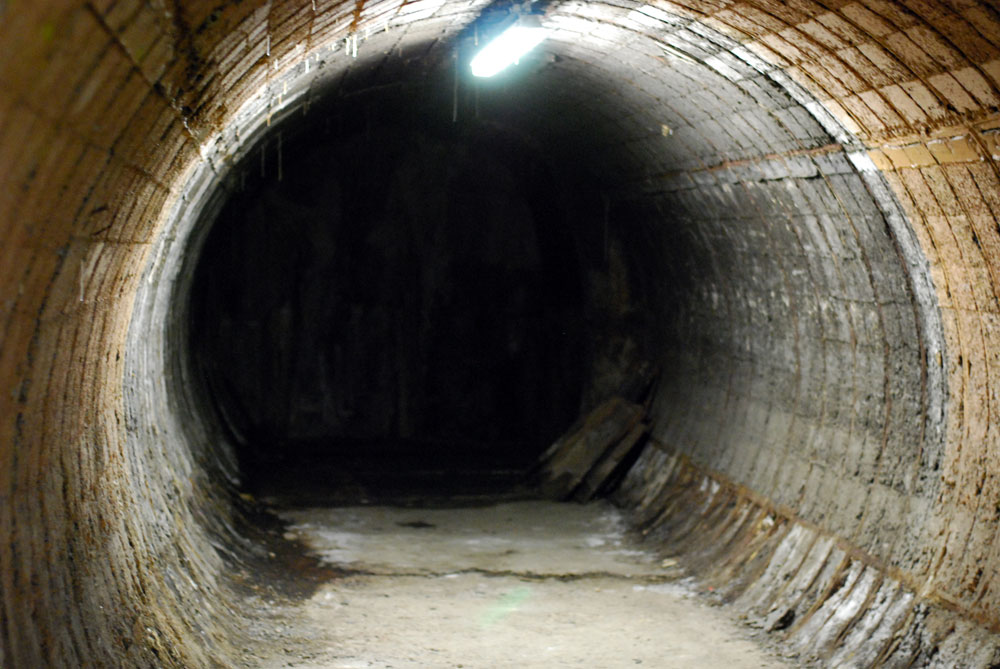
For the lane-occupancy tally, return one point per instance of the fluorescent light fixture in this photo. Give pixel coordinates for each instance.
(509, 46)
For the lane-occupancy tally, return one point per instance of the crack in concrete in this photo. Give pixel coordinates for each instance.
(651, 579)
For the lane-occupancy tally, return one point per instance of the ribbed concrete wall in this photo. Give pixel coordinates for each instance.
(812, 234)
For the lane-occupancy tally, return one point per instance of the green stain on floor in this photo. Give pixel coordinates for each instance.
(507, 604)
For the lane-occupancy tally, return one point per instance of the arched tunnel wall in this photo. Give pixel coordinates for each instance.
(803, 206)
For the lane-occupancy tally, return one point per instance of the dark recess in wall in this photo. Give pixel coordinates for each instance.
(391, 289)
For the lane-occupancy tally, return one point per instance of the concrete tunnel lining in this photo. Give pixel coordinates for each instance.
(860, 278)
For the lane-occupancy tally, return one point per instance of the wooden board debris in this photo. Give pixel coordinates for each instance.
(594, 443)
(608, 465)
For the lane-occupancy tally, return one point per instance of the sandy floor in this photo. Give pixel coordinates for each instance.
(525, 584)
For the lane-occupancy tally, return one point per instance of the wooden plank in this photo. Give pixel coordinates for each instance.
(606, 466)
(573, 456)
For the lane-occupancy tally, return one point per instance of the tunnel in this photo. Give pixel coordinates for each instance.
(245, 243)
(378, 325)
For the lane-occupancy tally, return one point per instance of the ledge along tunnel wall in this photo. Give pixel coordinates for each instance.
(802, 232)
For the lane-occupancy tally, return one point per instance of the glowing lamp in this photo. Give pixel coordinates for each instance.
(509, 46)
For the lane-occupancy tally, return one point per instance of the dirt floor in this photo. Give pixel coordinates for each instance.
(517, 584)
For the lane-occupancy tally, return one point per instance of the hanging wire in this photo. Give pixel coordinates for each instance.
(454, 93)
(281, 172)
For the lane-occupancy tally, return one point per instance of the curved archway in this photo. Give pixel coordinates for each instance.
(801, 231)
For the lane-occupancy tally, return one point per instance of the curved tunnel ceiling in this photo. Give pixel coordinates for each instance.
(802, 204)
